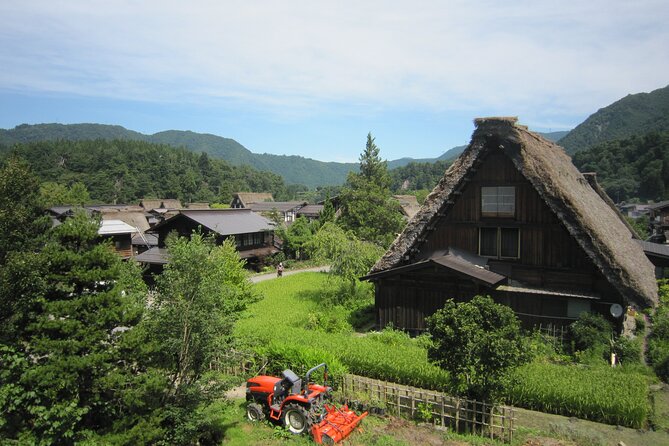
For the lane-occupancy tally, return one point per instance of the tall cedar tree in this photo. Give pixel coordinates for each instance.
(22, 219)
(367, 207)
(82, 301)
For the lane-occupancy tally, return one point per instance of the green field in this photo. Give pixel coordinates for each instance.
(282, 327)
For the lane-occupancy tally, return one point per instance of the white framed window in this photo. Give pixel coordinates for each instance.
(498, 201)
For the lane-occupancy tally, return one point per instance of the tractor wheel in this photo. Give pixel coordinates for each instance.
(296, 419)
(254, 412)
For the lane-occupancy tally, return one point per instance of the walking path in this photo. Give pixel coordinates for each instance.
(268, 276)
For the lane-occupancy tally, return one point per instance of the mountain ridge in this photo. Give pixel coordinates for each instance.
(294, 169)
(635, 114)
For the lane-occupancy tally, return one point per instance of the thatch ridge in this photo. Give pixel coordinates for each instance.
(587, 218)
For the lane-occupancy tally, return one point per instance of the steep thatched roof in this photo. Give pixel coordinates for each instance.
(588, 219)
(409, 204)
(253, 197)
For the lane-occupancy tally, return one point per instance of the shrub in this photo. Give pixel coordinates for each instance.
(628, 350)
(591, 334)
(478, 343)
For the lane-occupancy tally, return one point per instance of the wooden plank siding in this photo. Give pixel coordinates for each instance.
(548, 258)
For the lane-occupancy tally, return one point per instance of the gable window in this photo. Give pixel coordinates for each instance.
(498, 201)
(503, 243)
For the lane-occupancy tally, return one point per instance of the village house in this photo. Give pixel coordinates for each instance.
(286, 210)
(408, 205)
(253, 234)
(244, 199)
(514, 219)
(658, 216)
(310, 211)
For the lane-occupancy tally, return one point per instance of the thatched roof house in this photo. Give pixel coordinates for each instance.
(557, 218)
(244, 199)
(409, 205)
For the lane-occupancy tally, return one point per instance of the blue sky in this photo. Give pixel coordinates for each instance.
(312, 78)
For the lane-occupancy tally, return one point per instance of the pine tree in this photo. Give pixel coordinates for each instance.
(367, 207)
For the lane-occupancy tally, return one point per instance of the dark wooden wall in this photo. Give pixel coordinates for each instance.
(549, 257)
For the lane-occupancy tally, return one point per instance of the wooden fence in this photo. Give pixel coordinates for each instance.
(459, 414)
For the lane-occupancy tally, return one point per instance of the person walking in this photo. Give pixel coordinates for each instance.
(279, 270)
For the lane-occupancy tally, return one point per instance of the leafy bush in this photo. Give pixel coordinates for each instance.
(478, 343)
(590, 331)
(658, 341)
(628, 350)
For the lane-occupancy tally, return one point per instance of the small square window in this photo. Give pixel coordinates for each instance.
(498, 201)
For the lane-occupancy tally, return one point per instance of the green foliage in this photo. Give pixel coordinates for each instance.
(478, 343)
(591, 393)
(327, 215)
(22, 219)
(349, 258)
(641, 225)
(294, 169)
(637, 166)
(297, 237)
(54, 194)
(279, 319)
(127, 171)
(592, 332)
(70, 344)
(658, 341)
(418, 176)
(367, 207)
(199, 296)
(628, 351)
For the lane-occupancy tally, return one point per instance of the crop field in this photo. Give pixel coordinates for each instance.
(281, 327)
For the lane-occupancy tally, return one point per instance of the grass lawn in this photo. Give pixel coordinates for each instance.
(291, 326)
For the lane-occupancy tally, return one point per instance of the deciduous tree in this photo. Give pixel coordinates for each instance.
(478, 343)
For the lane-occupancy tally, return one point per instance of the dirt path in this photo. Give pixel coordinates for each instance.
(268, 276)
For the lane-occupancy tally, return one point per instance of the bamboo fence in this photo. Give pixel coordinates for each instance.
(460, 414)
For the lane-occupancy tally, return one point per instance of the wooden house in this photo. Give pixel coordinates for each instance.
(658, 216)
(253, 234)
(512, 218)
(310, 211)
(244, 199)
(287, 210)
(120, 233)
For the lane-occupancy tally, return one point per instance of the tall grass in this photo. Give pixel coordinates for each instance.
(279, 326)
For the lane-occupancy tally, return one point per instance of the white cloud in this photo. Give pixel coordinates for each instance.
(541, 59)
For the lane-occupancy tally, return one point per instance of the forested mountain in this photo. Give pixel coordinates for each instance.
(125, 171)
(294, 169)
(417, 176)
(635, 167)
(636, 114)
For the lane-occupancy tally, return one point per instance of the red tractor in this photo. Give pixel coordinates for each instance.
(300, 405)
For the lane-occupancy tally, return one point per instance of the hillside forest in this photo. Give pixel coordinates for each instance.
(124, 171)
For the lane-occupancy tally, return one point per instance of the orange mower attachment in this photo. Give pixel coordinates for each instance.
(300, 406)
(337, 425)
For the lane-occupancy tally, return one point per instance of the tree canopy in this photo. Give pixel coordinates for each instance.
(121, 171)
(367, 207)
(478, 343)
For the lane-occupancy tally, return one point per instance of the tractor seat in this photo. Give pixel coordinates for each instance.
(291, 382)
